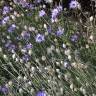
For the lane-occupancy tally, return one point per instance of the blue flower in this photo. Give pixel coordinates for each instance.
(6, 9)
(60, 31)
(23, 3)
(10, 46)
(74, 38)
(31, 6)
(4, 89)
(49, 29)
(41, 13)
(12, 28)
(28, 46)
(67, 64)
(41, 93)
(25, 35)
(74, 4)
(54, 13)
(39, 38)
(25, 57)
(5, 20)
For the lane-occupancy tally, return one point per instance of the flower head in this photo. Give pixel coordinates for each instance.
(25, 57)
(41, 13)
(11, 28)
(39, 38)
(25, 35)
(28, 46)
(74, 38)
(6, 9)
(30, 6)
(60, 31)
(74, 4)
(41, 93)
(5, 20)
(10, 46)
(3, 89)
(49, 29)
(55, 12)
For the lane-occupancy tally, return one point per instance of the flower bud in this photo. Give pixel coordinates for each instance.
(91, 18)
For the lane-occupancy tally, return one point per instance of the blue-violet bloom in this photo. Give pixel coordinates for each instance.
(25, 57)
(41, 13)
(74, 4)
(4, 89)
(60, 31)
(6, 9)
(25, 35)
(39, 38)
(54, 13)
(5, 20)
(11, 28)
(74, 38)
(41, 93)
(28, 46)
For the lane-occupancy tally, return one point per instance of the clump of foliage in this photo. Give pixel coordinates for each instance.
(46, 52)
